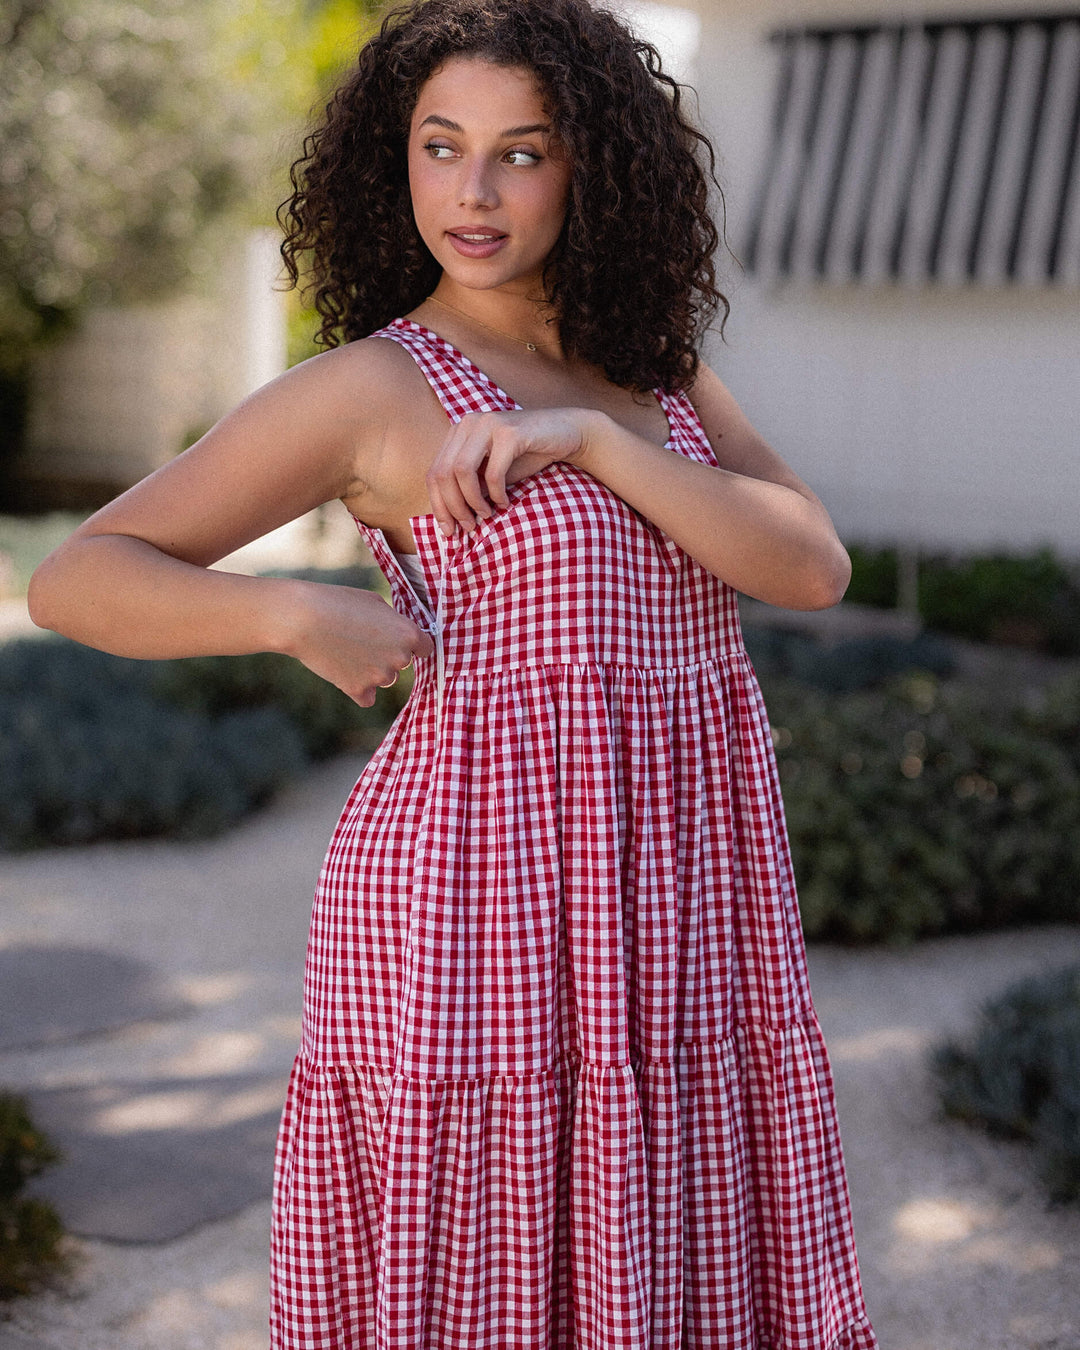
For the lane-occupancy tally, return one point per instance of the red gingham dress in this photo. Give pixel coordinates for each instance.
(561, 1084)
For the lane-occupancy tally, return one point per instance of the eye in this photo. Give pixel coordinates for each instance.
(437, 151)
(522, 157)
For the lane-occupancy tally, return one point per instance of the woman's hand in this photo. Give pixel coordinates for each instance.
(485, 452)
(352, 638)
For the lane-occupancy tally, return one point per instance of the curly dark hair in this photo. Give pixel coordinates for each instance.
(632, 278)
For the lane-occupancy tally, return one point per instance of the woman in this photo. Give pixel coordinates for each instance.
(561, 1082)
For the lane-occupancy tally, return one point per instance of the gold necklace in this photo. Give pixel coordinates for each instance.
(454, 310)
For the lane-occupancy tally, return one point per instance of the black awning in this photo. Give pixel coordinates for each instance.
(935, 152)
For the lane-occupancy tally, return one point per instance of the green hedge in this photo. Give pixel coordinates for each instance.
(1031, 600)
(919, 808)
(99, 747)
(1018, 1074)
(858, 663)
(30, 1229)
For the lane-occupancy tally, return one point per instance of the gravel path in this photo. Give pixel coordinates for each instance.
(164, 1013)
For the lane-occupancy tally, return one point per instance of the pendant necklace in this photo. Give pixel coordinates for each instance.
(532, 346)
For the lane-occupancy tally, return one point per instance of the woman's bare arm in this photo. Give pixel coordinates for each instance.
(751, 521)
(134, 578)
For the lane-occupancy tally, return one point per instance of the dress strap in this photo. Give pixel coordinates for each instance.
(460, 386)
(688, 436)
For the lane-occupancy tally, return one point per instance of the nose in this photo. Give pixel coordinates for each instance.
(478, 189)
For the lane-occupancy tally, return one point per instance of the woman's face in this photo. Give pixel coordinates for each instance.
(488, 195)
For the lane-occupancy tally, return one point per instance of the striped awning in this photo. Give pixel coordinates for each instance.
(933, 152)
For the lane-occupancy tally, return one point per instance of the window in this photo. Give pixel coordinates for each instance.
(935, 152)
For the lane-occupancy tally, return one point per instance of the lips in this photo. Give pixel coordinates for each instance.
(476, 241)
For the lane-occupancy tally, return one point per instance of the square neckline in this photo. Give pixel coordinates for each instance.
(401, 323)
(661, 397)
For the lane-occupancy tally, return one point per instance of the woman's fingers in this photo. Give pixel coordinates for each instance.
(421, 646)
(400, 670)
(468, 478)
(496, 470)
(460, 478)
(355, 640)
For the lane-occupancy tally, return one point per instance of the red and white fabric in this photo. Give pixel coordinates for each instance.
(561, 1084)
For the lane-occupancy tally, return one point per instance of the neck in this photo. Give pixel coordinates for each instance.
(518, 317)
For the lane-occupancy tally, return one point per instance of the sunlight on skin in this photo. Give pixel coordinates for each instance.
(187, 1110)
(873, 1044)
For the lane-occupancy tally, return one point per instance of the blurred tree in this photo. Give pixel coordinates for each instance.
(334, 31)
(131, 130)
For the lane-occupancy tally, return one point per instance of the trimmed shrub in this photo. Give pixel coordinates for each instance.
(915, 809)
(94, 746)
(30, 1229)
(875, 576)
(217, 687)
(858, 663)
(1031, 600)
(1018, 1075)
(89, 753)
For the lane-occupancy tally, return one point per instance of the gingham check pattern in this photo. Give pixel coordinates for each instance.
(561, 1084)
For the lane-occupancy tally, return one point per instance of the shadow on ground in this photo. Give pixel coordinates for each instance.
(143, 1160)
(52, 994)
(150, 1161)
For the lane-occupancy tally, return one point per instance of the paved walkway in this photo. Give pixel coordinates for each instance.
(149, 1006)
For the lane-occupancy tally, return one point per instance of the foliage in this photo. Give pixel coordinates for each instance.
(335, 32)
(122, 140)
(130, 127)
(920, 808)
(1034, 601)
(30, 1230)
(94, 746)
(875, 576)
(89, 753)
(332, 36)
(1031, 600)
(219, 688)
(1018, 1075)
(857, 663)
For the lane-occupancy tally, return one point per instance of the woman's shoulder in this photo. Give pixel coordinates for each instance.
(368, 361)
(363, 379)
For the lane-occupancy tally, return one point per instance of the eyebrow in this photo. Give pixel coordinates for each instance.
(508, 134)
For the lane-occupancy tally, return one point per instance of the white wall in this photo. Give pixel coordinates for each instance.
(942, 416)
(674, 30)
(134, 386)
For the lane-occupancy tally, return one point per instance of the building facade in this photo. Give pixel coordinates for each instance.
(903, 196)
